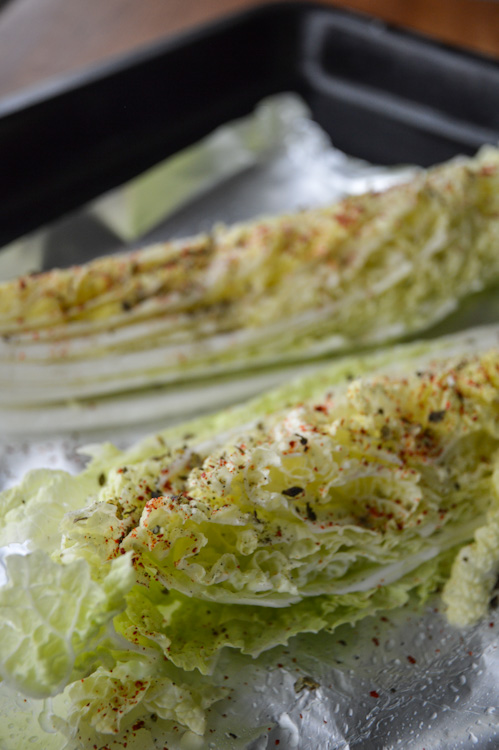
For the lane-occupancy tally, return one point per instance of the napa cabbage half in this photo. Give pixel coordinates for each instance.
(245, 299)
(318, 504)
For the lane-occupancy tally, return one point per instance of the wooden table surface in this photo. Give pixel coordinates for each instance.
(42, 39)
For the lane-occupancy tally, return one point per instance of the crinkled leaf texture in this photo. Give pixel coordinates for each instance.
(52, 615)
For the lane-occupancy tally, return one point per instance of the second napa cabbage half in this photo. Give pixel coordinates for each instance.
(323, 502)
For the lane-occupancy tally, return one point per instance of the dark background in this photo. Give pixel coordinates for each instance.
(40, 39)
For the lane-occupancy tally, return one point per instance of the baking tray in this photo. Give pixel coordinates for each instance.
(381, 94)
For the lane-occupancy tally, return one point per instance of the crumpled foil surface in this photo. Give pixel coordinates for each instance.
(405, 680)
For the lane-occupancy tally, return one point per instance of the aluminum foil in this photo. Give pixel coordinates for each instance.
(407, 680)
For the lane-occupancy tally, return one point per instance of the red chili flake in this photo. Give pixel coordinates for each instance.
(375, 641)
(374, 694)
(345, 219)
(487, 170)
(411, 659)
(278, 742)
(491, 624)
